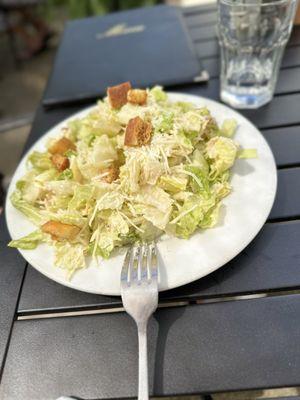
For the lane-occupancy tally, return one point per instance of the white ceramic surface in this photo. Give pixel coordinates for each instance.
(181, 261)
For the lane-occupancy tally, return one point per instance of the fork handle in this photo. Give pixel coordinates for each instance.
(143, 362)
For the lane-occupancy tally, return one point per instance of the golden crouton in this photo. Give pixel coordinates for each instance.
(60, 231)
(111, 174)
(61, 146)
(117, 95)
(137, 96)
(60, 162)
(138, 132)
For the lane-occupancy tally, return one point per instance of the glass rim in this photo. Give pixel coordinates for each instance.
(243, 3)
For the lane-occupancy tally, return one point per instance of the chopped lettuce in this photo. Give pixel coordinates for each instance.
(39, 160)
(155, 197)
(30, 211)
(199, 160)
(191, 214)
(66, 174)
(173, 184)
(158, 94)
(29, 242)
(164, 122)
(210, 218)
(221, 152)
(198, 179)
(228, 127)
(82, 196)
(103, 152)
(247, 153)
(192, 123)
(116, 194)
(70, 257)
(50, 174)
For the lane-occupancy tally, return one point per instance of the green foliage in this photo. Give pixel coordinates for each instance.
(85, 8)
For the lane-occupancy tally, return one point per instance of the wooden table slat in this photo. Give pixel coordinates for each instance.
(203, 33)
(12, 267)
(283, 398)
(42, 294)
(285, 143)
(288, 83)
(285, 205)
(282, 111)
(203, 348)
(198, 9)
(209, 33)
(207, 49)
(210, 49)
(291, 59)
(201, 19)
(295, 36)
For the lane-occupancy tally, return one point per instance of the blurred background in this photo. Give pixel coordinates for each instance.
(30, 32)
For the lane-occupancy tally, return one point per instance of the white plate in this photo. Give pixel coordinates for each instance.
(181, 261)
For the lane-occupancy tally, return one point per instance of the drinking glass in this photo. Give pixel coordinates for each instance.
(252, 36)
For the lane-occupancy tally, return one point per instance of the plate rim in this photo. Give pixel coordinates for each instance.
(183, 282)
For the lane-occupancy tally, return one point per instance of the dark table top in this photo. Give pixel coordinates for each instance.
(235, 329)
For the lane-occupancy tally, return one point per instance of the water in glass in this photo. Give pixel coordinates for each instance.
(252, 36)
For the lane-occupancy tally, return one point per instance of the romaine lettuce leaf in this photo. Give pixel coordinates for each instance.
(71, 217)
(173, 183)
(82, 197)
(40, 160)
(152, 214)
(191, 214)
(73, 128)
(158, 94)
(29, 190)
(222, 153)
(247, 153)
(108, 235)
(29, 242)
(228, 127)
(198, 179)
(129, 111)
(221, 189)
(69, 257)
(61, 188)
(165, 122)
(210, 219)
(50, 174)
(31, 212)
(103, 152)
(199, 160)
(154, 196)
(65, 175)
(150, 232)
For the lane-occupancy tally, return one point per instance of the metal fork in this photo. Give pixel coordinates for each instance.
(140, 298)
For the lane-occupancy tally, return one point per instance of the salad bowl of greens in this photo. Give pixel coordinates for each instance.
(201, 184)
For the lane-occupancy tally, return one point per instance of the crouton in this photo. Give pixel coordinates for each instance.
(60, 162)
(138, 132)
(117, 95)
(60, 231)
(61, 146)
(111, 174)
(137, 96)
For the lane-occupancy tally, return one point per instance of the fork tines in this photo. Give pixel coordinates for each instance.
(140, 265)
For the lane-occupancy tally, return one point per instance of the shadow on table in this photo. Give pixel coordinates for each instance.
(164, 323)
